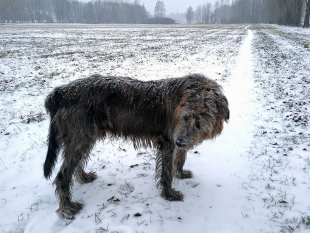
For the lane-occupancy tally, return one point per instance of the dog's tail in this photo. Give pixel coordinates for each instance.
(51, 104)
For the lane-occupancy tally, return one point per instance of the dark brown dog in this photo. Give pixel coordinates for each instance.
(172, 115)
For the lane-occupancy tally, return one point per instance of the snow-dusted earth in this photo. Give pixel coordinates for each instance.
(252, 178)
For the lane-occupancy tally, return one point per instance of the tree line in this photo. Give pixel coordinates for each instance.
(284, 12)
(65, 11)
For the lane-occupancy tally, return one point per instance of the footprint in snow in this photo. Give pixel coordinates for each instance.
(126, 189)
(190, 184)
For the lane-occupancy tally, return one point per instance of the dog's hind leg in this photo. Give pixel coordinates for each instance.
(83, 177)
(74, 153)
(63, 182)
(179, 160)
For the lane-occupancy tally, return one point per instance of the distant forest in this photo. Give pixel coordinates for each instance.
(286, 12)
(68, 11)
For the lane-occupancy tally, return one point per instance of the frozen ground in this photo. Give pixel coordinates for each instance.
(253, 178)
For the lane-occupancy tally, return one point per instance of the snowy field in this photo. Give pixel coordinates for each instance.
(255, 177)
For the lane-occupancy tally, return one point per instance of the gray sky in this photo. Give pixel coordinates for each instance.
(173, 6)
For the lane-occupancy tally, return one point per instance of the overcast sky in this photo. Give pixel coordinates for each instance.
(173, 6)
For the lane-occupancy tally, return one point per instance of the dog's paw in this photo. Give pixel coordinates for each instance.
(186, 174)
(86, 177)
(173, 195)
(70, 209)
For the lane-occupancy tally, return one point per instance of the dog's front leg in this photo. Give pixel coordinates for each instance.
(165, 172)
(179, 160)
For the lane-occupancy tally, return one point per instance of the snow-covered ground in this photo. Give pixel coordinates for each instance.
(252, 178)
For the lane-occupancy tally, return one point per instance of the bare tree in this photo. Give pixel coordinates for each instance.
(189, 15)
(208, 15)
(198, 14)
(203, 13)
(306, 20)
(160, 10)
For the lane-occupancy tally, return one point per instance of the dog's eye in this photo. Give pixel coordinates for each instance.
(204, 114)
(197, 123)
(185, 118)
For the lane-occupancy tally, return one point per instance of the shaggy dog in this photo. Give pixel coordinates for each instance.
(171, 115)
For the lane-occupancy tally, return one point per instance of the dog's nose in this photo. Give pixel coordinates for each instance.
(179, 143)
(228, 115)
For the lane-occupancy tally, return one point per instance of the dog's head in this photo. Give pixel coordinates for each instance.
(200, 114)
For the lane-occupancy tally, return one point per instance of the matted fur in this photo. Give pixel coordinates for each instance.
(172, 115)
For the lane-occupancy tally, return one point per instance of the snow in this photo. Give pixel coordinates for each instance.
(253, 178)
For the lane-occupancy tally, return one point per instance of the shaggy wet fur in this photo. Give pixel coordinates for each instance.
(172, 115)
